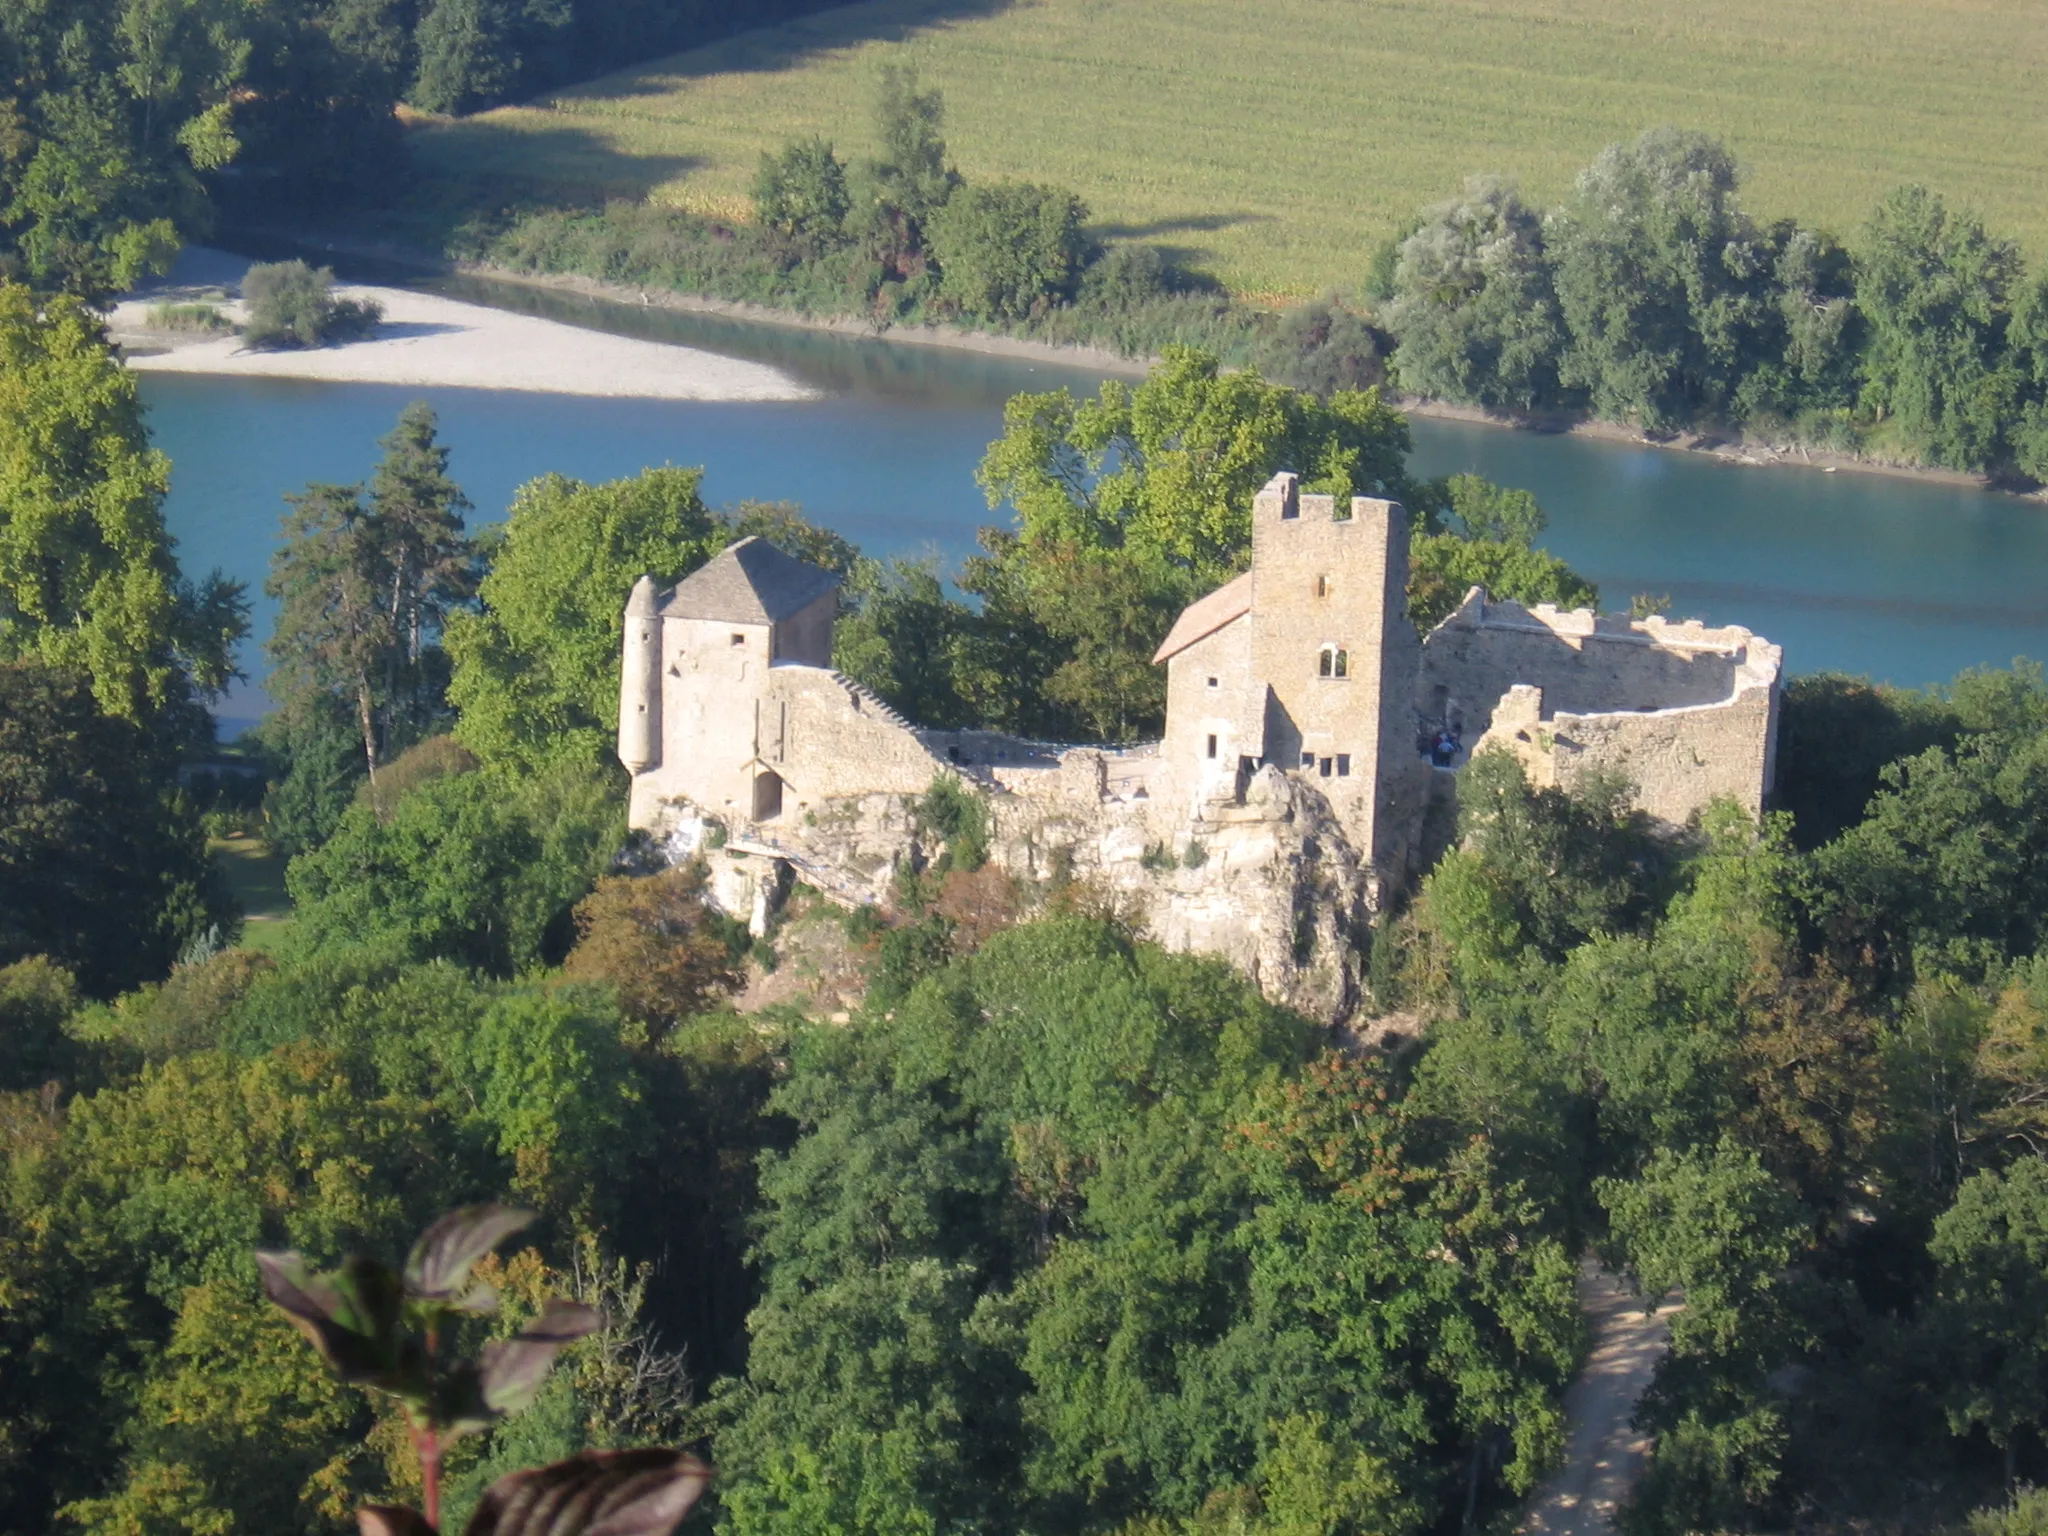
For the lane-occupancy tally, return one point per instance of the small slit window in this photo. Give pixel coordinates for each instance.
(1308, 759)
(739, 639)
(1323, 768)
(1333, 661)
(1212, 682)
(1212, 746)
(1323, 585)
(1343, 765)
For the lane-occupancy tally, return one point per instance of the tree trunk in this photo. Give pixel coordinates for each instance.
(367, 715)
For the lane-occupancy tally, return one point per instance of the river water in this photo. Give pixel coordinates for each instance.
(1894, 579)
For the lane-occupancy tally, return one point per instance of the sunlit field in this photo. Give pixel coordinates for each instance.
(1276, 143)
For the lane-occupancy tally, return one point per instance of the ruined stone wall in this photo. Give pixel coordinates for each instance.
(1584, 663)
(1680, 760)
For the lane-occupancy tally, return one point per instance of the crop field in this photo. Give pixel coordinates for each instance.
(1276, 142)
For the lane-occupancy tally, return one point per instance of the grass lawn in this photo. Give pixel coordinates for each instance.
(1276, 142)
(256, 875)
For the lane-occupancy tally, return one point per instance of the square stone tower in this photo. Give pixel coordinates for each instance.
(1331, 641)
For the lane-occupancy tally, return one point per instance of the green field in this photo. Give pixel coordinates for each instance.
(255, 873)
(1277, 141)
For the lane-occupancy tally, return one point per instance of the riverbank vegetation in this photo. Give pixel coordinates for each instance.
(1649, 296)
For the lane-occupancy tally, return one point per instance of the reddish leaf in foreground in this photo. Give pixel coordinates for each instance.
(599, 1493)
(391, 1520)
(441, 1260)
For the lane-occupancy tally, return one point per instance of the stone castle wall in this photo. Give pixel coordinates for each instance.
(1699, 706)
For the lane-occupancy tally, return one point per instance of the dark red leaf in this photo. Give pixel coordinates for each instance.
(391, 1520)
(599, 1493)
(514, 1368)
(441, 1260)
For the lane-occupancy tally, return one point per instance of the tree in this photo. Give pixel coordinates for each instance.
(1711, 1221)
(475, 53)
(430, 565)
(902, 636)
(88, 577)
(36, 996)
(908, 179)
(461, 870)
(651, 938)
(1935, 290)
(801, 192)
(1472, 303)
(1662, 279)
(363, 592)
(536, 674)
(1171, 467)
(102, 866)
(293, 305)
(2028, 338)
(1009, 250)
(334, 634)
(1992, 1249)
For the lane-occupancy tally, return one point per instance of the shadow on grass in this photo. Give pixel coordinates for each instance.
(1187, 224)
(787, 45)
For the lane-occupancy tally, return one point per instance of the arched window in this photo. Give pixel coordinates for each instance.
(1333, 662)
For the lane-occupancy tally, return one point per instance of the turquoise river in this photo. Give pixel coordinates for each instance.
(1896, 579)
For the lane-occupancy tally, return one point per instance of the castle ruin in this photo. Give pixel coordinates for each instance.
(1312, 739)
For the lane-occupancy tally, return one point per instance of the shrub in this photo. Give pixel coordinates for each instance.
(802, 192)
(293, 305)
(1009, 249)
(188, 317)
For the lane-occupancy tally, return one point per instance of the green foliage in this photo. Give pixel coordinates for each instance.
(103, 865)
(1009, 249)
(1935, 289)
(467, 868)
(956, 815)
(1992, 1249)
(900, 635)
(908, 181)
(1075, 1231)
(1442, 568)
(1472, 303)
(87, 576)
(801, 192)
(1169, 468)
(1660, 279)
(536, 669)
(37, 996)
(293, 305)
(363, 593)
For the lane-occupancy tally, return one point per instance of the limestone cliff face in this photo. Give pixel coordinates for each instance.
(1269, 883)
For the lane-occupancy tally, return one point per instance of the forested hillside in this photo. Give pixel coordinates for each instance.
(977, 1210)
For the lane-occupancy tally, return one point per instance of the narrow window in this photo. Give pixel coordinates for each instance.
(1343, 765)
(1322, 586)
(739, 639)
(1212, 746)
(1308, 759)
(1343, 664)
(1326, 659)
(1323, 768)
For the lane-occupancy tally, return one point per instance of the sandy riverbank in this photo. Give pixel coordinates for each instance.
(431, 342)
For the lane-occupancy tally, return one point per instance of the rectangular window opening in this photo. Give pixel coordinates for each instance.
(739, 639)
(1212, 682)
(1323, 768)
(1343, 765)
(1308, 759)
(1212, 746)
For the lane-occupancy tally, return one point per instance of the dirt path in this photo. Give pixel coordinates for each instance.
(1603, 1454)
